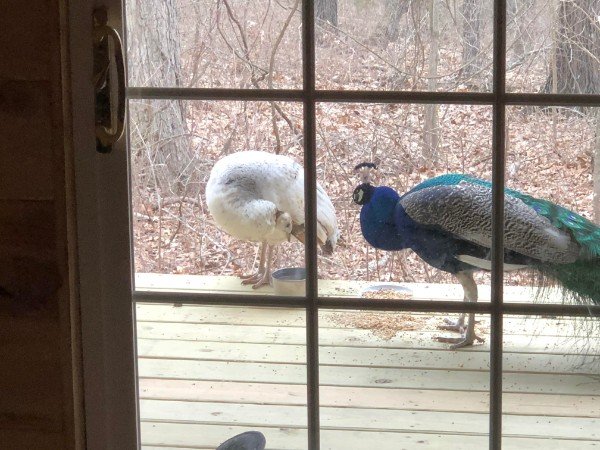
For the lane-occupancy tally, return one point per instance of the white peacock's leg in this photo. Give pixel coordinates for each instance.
(254, 277)
(470, 289)
(265, 279)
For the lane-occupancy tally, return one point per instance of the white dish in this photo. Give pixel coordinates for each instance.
(290, 281)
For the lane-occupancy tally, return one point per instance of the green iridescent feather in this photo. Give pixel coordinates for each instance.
(580, 278)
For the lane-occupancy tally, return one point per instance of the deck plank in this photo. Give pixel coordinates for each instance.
(375, 419)
(355, 337)
(201, 436)
(169, 283)
(259, 315)
(385, 378)
(356, 397)
(366, 357)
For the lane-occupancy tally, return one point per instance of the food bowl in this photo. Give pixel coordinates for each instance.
(290, 281)
(387, 291)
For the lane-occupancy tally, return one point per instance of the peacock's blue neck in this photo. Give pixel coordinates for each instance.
(379, 221)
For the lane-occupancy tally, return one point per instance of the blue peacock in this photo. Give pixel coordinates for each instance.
(447, 221)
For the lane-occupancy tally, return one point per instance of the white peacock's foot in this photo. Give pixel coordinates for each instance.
(264, 280)
(252, 278)
(460, 342)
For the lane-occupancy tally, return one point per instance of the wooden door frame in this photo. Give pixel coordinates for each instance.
(104, 252)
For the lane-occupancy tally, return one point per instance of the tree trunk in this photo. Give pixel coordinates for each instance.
(516, 12)
(395, 10)
(471, 60)
(577, 49)
(160, 142)
(326, 11)
(596, 173)
(430, 129)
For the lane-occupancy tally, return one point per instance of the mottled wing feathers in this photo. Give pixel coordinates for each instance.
(586, 233)
(464, 210)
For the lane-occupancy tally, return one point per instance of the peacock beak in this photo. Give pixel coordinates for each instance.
(298, 232)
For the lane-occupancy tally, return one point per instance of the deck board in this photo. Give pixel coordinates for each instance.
(354, 397)
(210, 372)
(360, 356)
(196, 435)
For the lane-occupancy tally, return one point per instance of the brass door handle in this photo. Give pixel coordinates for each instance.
(107, 47)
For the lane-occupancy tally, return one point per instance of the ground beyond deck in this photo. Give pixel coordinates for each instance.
(209, 372)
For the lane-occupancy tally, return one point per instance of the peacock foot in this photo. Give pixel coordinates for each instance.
(460, 342)
(257, 280)
(453, 325)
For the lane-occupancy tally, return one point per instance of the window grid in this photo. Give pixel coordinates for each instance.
(498, 163)
(309, 96)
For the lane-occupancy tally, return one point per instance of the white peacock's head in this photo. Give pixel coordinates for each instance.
(283, 222)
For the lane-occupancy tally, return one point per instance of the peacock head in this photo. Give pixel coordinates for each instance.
(283, 222)
(363, 193)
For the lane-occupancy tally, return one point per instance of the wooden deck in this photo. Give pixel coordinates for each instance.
(207, 373)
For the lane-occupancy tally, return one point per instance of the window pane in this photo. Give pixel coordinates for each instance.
(550, 156)
(182, 227)
(203, 43)
(386, 382)
(404, 45)
(553, 47)
(551, 363)
(208, 373)
(551, 383)
(410, 144)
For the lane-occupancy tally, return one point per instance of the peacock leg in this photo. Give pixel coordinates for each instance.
(470, 289)
(254, 277)
(265, 279)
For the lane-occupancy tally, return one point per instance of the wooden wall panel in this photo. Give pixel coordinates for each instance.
(25, 127)
(16, 439)
(25, 39)
(40, 364)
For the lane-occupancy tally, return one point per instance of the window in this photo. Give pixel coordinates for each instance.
(421, 89)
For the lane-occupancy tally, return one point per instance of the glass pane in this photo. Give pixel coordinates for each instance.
(410, 144)
(404, 45)
(553, 46)
(551, 385)
(551, 381)
(386, 383)
(207, 373)
(550, 157)
(204, 211)
(224, 44)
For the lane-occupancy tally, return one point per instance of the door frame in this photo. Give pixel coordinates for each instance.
(104, 251)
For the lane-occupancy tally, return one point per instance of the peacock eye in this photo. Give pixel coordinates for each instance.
(358, 196)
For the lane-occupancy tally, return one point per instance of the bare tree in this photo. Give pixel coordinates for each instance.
(577, 49)
(575, 64)
(596, 169)
(471, 30)
(326, 11)
(430, 128)
(160, 141)
(516, 11)
(395, 10)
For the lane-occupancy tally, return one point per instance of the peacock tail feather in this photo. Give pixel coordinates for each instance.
(579, 280)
